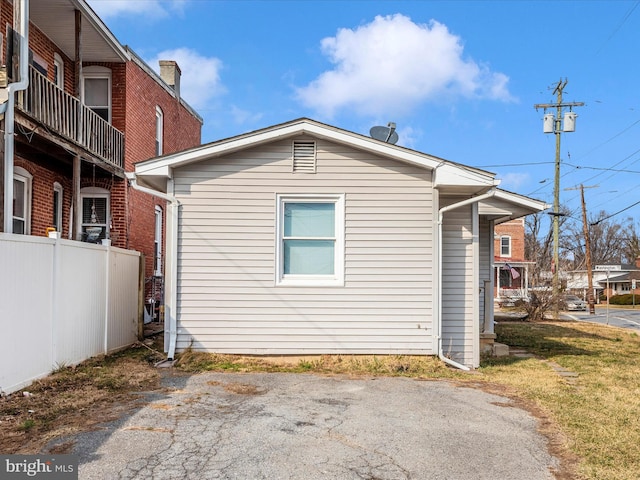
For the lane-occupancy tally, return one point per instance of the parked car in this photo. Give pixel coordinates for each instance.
(572, 302)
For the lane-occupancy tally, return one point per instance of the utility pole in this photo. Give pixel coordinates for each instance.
(556, 124)
(587, 247)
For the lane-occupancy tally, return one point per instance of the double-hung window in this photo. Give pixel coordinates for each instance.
(159, 131)
(97, 90)
(310, 249)
(57, 206)
(95, 214)
(22, 181)
(505, 246)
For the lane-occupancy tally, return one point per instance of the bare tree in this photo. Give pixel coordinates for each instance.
(610, 242)
(538, 244)
(632, 243)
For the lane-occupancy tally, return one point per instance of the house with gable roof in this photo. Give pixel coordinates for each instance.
(303, 238)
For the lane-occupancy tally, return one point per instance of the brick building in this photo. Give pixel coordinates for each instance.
(511, 268)
(91, 110)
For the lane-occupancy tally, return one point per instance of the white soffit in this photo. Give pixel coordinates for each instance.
(506, 205)
(56, 19)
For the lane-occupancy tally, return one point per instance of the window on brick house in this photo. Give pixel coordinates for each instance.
(159, 131)
(58, 71)
(96, 90)
(157, 243)
(57, 206)
(22, 182)
(505, 246)
(95, 214)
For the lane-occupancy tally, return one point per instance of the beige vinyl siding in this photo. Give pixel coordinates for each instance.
(227, 298)
(458, 296)
(486, 265)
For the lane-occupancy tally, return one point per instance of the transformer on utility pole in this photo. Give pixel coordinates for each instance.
(557, 124)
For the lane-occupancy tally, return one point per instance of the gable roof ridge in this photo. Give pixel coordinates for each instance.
(303, 125)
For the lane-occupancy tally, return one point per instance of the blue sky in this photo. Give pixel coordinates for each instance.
(459, 78)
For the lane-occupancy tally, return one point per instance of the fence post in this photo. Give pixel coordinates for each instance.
(107, 297)
(141, 304)
(55, 314)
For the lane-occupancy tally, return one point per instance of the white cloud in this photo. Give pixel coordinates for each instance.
(200, 82)
(242, 117)
(149, 8)
(513, 181)
(392, 64)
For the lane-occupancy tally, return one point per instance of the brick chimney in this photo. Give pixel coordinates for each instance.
(170, 74)
(638, 262)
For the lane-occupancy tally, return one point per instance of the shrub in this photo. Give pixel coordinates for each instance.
(626, 299)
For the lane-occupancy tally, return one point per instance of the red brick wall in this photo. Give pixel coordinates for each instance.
(514, 229)
(181, 130)
(44, 177)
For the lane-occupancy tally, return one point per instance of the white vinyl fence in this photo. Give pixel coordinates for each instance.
(62, 302)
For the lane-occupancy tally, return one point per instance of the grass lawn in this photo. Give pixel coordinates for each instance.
(582, 381)
(599, 410)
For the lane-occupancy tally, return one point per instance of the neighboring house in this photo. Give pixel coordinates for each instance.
(302, 238)
(607, 280)
(511, 269)
(92, 109)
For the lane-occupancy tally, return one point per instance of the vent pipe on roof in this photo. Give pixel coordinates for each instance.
(170, 73)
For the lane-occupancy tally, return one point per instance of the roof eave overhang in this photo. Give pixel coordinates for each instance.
(449, 178)
(505, 206)
(56, 20)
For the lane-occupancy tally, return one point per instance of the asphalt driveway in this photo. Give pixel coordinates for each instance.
(299, 426)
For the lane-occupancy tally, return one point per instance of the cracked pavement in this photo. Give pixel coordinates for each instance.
(304, 426)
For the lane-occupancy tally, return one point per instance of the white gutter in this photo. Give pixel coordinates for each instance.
(441, 213)
(171, 301)
(8, 108)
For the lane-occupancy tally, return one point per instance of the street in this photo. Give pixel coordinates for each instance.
(614, 316)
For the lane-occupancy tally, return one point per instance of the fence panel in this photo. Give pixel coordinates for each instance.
(25, 311)
(122, 313)
(79, 318)
(62, 302)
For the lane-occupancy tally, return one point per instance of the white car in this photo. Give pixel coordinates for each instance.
(571, 302)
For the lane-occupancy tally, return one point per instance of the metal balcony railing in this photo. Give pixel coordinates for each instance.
(65, 115)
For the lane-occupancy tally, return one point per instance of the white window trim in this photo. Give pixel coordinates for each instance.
(95, 71)
(95, 192)
(25, 177)
(508, 254)
(57, 188)
(335, 280)
(59, 65)
(159, 131)
(158, 239)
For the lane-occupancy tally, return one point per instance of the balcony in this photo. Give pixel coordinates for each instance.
(65, 115)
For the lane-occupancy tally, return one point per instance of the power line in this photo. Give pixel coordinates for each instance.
(622, 22)
(614, 214)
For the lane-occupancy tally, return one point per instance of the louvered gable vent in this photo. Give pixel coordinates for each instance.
(304, 157)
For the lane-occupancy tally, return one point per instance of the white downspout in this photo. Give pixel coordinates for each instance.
(171, 301)
(8, 108)
(441, 213)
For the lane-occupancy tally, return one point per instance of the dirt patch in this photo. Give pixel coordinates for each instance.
(556, 440)
(75, 399)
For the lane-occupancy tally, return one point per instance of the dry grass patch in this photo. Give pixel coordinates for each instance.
(394, 365)
(599, 411)
(74, 399)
